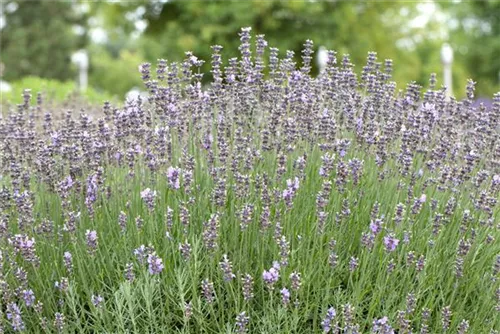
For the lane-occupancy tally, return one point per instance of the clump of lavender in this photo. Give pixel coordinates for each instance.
(184, 217)
(348, 314)
(368, 240)
(327, 164)
(399, 213)
(417, 204)
(356, 167)
(169, 219)
(239, 150)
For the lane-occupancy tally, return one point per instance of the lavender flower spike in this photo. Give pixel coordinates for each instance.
(155, 264)
(327, 322)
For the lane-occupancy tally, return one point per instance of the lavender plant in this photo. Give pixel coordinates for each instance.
(263, 202)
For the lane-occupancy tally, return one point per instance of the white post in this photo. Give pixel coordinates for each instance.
(322, 58)
(447, 60)
(81, 59)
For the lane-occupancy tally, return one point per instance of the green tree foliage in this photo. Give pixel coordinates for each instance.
(342, 26)
(116, 75)
(476, 37)
(38, 39)
(174, 27)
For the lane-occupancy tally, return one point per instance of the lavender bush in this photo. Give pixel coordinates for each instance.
(269, 201)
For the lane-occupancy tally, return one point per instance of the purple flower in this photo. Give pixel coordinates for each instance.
(63, 285)
(91, 196)
(242, 321)
(129, 272)
(208, 291)
(495, 181)
(25, 246)
(185, 250)
(173, 177)
(293, 184)
(376, 226)
(97, 301)
(390, 243)
(142, 253)
(295, 278)
(353, 263)
(327, 322)
(291, 190)
(59, 321)
(91, 241)
(155, 264)
(188, 310)
(382, 326)
(14, 315)
(118, 156)
(68, 261)
(29, 297)
(227, 268)
(247, 286)
(271, 276)
(285, 296)
(148, 196)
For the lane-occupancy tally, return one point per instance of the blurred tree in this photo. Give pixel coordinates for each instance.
(475, 36)
(173, 27)
(345, 27)
(38, 38)
(115, 75)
